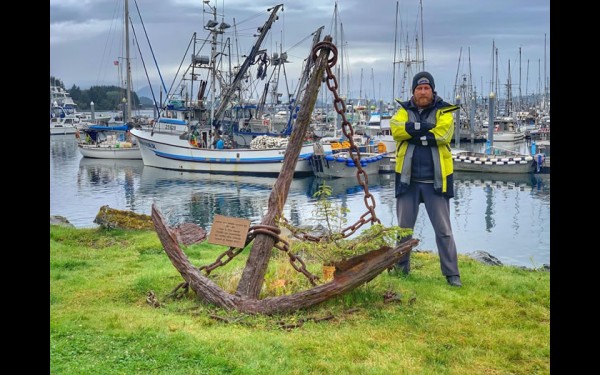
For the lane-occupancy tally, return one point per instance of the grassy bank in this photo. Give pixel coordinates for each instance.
(101, 322)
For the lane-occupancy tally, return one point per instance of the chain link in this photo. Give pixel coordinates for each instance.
(361, 176)
(280, 244)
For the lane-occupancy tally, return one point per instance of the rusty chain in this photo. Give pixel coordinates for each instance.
(280, 244)
(340, 107)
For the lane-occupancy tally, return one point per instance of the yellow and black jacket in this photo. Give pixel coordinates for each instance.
(423, 145)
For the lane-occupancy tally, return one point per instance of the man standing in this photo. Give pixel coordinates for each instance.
(423, 128)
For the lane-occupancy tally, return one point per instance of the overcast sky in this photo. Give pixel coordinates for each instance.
(86, 39)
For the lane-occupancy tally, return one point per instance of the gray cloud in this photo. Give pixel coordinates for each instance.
(85, 37)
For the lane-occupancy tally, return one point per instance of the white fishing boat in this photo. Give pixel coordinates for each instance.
(468, 161)
(342, 165)
(182, 138)
(108, 142)
(170, 151)
(506, 130)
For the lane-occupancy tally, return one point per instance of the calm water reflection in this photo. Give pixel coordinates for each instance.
(506, 215)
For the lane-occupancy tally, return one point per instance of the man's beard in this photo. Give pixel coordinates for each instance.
(423, 102)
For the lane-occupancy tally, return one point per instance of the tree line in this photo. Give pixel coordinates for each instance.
(105, 98)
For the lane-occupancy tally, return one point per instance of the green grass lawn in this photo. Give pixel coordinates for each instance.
(101, 323)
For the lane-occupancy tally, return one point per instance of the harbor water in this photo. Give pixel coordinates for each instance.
(507, 216)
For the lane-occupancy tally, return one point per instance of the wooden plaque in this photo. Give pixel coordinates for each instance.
(229, 231)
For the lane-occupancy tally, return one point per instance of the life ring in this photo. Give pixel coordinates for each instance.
(381, 147)
(265, 122)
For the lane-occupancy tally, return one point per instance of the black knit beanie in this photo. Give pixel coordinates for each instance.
(421, 78)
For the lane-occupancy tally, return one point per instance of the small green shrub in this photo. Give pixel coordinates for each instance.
(333, 247)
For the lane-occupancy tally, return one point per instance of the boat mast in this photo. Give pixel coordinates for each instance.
(394, 61)
(128, 63)
(213, 65)
(360, 90)
(422, 37)
(226, 98)
(335, 42)
(302, 82)
(546, 93)
(492, 79)
(520, 93)
(309, 65)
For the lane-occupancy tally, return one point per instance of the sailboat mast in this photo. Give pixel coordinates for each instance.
(394, 61)
(309, 64)
(492, 79)
(520, 93)
(422, 37)
(213, 67)
(545, 72)
(361, 79)
(508, 104)
(128, 66)
(335, 42)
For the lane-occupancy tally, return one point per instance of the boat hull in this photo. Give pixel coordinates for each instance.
(169, 151)
(109, 152)
(508, 137)
(341, 165)
(62, 130)
(479, 162)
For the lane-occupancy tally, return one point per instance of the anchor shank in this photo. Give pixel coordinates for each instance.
(254, 272)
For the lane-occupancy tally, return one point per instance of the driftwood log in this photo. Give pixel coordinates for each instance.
(348, 276)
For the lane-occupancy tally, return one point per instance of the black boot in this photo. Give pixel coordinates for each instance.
(454, 280)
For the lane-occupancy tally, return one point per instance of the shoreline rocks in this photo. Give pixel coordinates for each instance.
(60, 220)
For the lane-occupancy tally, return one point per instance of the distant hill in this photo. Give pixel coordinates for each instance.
(145, 91)
(146, 101)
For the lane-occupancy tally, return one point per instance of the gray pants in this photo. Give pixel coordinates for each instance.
(438, 210)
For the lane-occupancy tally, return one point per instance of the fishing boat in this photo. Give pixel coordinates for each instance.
(468, 161)
(342, 165)
(182, 138)
(274, 119)
(506, 130)
(339, 163)
(108, 142)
